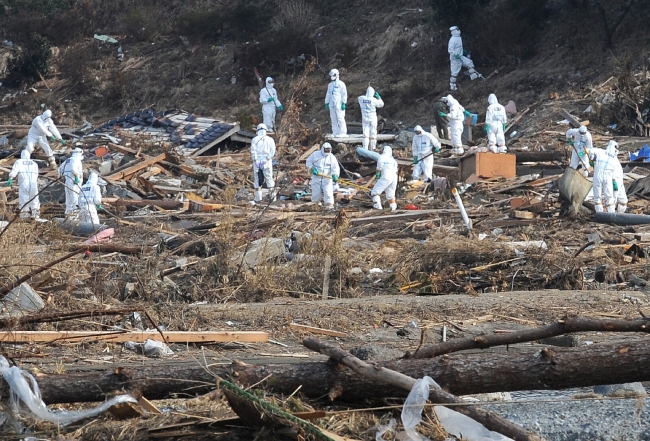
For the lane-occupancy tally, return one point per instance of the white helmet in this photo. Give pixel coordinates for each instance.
(334, 74)
(47, 114)
(417, 129)
(326, 146)
(454, 28)
(583, 129)
(25, 154)
(77, 152)
(262, 126)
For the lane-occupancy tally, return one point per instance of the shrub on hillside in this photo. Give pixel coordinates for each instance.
(30, 63)
(144, 23)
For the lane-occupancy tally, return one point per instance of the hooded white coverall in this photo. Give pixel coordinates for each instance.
(423, 145)
(456, 117)
(495, 121)
(619, 195)
(89, 198)
(262, 153)
(72, 171)
(581, 141)
(325, 164)
(387, 182)
(603, 176)
(270, 101)
(336, 99)
(27, 172)
(42, 128)
(456, 58)
(369, 104)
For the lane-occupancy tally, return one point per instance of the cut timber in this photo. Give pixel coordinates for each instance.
(404, 216)
(223, 137)
(523, 214)
(572, 120)
(138, 337)
(460, 374)
(305, 155)
(642, 237)
(314, 330)
(197, 206)
(124, 174)
(122, 149)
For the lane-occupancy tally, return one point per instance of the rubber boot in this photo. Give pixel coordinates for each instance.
(598, 208)
(52, 161)
(493, 149)
(502, 149)
(258, 195)
(377, 200)
(272, 194)
(621, 208)
(452, 83)
(393, 205)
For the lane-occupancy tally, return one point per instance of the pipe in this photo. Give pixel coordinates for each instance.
(622, 218)
(368, 154)
(461, 207)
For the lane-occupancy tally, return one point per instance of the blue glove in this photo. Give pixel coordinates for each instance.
(343, 106)
(280, 107)
(466, 113)
(415, 160)
(504, 127)
(377, 95)
(9, 182)
(581, 154)
(77, 180)
(437, 150)
(591, 163)
(336, 178)
(62, 141)
(487, 127)
(615, 185)
(442, 114)
(52, 138)
(269, 99)
(327, 106)
(378, 175)
(314, 171)
(458, 56)
(571, 142)
(99, 207)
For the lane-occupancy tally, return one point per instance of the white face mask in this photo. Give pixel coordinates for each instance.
(333, 77)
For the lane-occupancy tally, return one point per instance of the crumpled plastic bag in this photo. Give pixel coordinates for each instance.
(384, 428)
(412, 410)
(460, 425)
(24, 389)
(150, 348)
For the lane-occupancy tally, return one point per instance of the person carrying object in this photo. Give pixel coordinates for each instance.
(603, 183)
(42, 129)
(423, 146)
(442, 126)
(324, 168)
(270, 102)
(581, 145)
(336, 100)
(456, 117)
(262, 153)
(90, 200)
(27, 172)
(386, 180)
(495, 125)
(72, 170)
(457, 58)
(369, 103)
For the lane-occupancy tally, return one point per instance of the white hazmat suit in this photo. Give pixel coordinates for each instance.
(580, 140)
(262, 153)
(336, 102)
(72, 171)
(27, 172)
(620, 195)
(387, 173)
(270, 102)
(43, 128)
(90, 198)
(456, 117)
(369, 103)
(423, 146)
(323, 162)
(604, 167)
(456, 58)
(495, 124)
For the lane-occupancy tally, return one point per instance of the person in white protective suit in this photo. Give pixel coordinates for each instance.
(620, 196)
(43, 128)
(369, 103)
(72, 171)
(386, 179)
(27, 172)
(325, 170)
(336, 102)
(495, 125)
(456, 117)
(90, 199)
(457, 59)
(423, 146)
(581, 145)
(262, 153)
(270, 102)
(603, 183)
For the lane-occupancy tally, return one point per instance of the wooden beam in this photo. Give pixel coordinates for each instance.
(403, 216)
(137, 167)
(226, 135)
(572, 120)
(314, 330)
(122, 149)
(139, 336)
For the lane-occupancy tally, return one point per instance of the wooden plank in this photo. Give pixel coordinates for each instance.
(138, 336)
(305, 155)
(403, 216)
(239, 138)
(136, 168)
(523, 214)
(314, 330)
(642, 237)
(122, 149)
(226, 135)
(572, 120)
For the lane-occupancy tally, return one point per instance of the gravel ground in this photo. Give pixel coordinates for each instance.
(609, 419)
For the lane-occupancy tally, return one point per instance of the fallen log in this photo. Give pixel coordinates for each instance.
(565, 326)
(109, 248)
(490, 420)
(460, 374)
(166, 204)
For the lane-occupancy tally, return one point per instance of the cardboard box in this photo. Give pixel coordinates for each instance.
(488, 165)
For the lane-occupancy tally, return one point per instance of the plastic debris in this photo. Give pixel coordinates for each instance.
(465, 427)
(384, 428)
(412, 410)
(105, 38)
(150, 348)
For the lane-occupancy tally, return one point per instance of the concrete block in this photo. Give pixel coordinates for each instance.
(488, 165)
(260, 251)
(22, 300)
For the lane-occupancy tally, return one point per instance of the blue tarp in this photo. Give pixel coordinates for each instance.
(642, 155)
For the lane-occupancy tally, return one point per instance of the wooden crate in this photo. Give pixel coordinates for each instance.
(488, 165)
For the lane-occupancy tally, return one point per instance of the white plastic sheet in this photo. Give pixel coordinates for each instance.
(24, 390)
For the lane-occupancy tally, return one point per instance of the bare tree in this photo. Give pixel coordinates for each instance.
(612, 23)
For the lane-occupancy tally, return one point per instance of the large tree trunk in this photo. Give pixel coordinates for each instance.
(460, 374)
